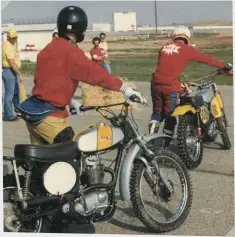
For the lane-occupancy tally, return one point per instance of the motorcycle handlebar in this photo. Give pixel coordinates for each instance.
(83, 108)
(216, 73)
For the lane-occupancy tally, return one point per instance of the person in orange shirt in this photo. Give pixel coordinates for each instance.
(11, 75)
(97, 53)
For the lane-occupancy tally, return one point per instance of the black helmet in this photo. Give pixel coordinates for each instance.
(74, 20)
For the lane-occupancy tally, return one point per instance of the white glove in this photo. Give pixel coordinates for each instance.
(228, 66)
(128, 92)
(74, 104)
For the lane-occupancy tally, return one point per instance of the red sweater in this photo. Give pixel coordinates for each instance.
(99, 52)
(60, 67)
(172, 60)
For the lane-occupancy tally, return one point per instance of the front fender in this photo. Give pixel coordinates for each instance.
(126, 167)
(181, 110)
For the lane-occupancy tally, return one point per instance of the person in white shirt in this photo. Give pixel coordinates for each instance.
(104, 46)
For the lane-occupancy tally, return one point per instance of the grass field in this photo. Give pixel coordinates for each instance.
(139, 66)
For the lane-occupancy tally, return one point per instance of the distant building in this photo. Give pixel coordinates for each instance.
(33, 37)
(124, 21)
(102, 27)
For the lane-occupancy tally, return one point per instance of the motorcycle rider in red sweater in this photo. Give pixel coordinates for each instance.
(61, 65)
(165, 84)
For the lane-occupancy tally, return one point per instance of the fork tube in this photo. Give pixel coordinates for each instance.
(149, 154)
(139, 138)
(17, 180)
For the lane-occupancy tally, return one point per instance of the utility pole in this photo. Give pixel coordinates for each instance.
(155, 10)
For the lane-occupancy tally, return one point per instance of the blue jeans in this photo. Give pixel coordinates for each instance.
(106, 66)
(12, 93)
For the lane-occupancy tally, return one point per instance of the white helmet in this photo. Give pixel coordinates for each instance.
(182, 32)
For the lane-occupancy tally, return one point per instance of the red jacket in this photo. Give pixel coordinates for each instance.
(99, 52)
(172, 60)
(60, 67)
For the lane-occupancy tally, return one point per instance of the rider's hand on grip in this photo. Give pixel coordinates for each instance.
(185, 89)
(228, 69)
(75, 107)
(131, 95)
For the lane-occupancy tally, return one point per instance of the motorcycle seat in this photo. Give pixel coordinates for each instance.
(47, 153)
(196, 101)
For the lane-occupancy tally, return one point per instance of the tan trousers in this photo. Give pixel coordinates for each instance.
(46, 131)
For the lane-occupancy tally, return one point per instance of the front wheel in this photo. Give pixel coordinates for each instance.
(224, 135)
(190, 147)
(155, 206)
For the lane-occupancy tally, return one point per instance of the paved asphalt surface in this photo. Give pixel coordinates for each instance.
(212, 211)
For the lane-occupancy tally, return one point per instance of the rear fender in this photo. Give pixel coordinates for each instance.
(133, 152)
(10, 158)
(182, 110)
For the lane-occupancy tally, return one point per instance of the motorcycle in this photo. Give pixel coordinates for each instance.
(67, 182)
(201, 118)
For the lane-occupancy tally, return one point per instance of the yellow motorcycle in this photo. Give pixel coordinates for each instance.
(201, 118)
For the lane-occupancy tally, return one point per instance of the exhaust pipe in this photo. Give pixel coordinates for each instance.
(38, 215)
(30, 203)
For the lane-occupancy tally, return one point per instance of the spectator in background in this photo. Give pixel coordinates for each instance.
(11, 65)
(97, 53)
(104, 45)
(55, 35)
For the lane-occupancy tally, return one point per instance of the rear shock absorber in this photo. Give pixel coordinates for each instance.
(27, 184)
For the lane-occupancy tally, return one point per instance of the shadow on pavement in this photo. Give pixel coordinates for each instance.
(128, 211)
(82, 229)
(213, 145)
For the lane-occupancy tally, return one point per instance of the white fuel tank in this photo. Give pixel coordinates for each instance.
(99, 138)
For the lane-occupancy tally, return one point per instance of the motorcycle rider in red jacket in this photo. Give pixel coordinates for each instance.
(165, 83)
(61, 65)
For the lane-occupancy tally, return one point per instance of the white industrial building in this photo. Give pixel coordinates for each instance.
(102, 27)
(33, 37)
(124, 21)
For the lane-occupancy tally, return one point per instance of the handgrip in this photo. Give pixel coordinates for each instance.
(134, 98)
(82, 109)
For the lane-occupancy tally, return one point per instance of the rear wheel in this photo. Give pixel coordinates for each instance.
(158, 209)
(12, 212)
(190, 147)
(224, 135)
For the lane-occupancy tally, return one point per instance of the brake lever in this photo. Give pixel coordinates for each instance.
(72, 111)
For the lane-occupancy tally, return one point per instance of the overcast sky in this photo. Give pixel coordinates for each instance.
(168, 11)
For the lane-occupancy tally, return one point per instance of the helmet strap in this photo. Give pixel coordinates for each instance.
(80, 37)
(69, 40)
(181, 38)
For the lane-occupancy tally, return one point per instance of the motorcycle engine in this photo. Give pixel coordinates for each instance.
(95, 200)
